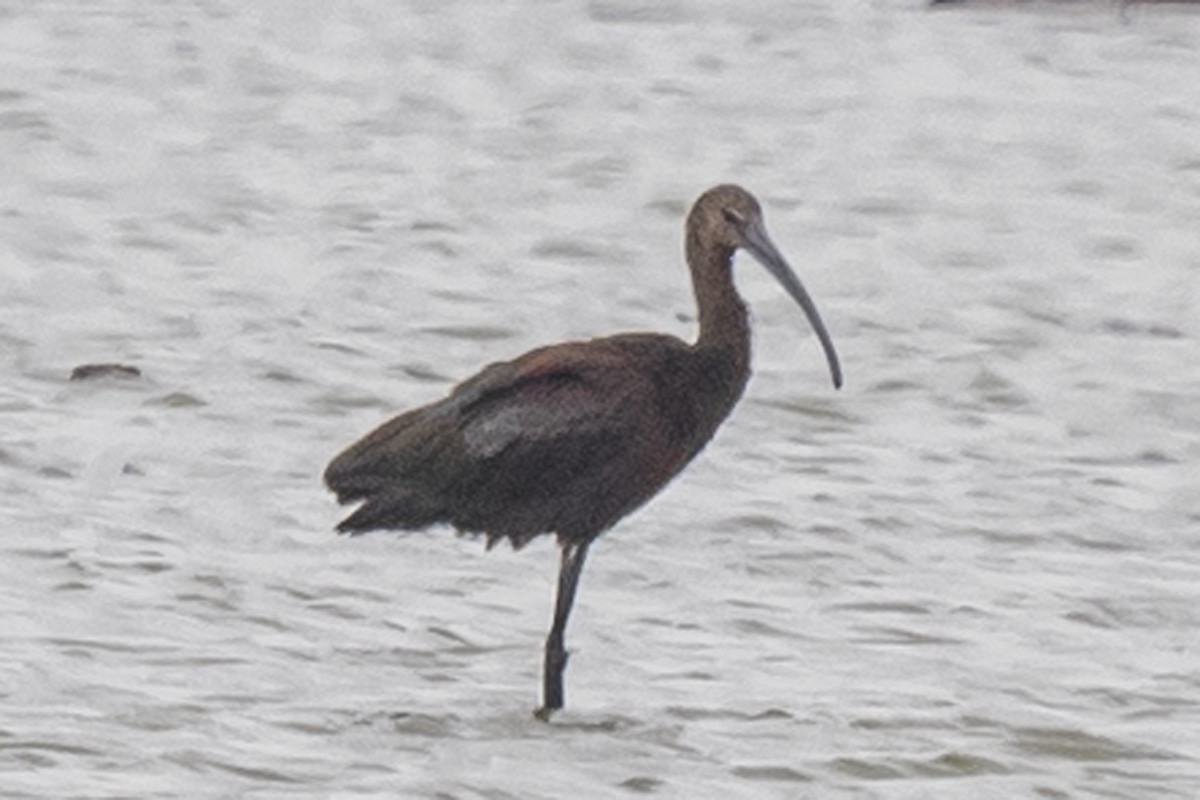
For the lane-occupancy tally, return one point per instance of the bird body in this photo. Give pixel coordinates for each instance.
(570, 438)
(566, 439)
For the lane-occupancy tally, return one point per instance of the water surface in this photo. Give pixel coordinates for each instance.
(974, 572)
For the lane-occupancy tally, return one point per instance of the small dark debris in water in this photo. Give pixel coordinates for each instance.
(1156, 457)
(281, 376)
(1164, 332)
(770, 772)
(54, 472)
(1079, 746)
(87, 372)
(641, 783)
(472, 333)
(1126, 327)
(953, 764)
(772, 713)
(436, 727)
(177, 400)
(421, 373)
(869, 770)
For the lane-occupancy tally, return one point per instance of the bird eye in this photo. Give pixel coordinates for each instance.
(734, 218)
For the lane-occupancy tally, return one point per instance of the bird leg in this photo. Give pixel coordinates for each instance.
(573, 554)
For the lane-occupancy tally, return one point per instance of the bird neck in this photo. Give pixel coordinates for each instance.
(724, 323)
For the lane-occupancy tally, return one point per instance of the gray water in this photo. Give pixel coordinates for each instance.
(974, 572)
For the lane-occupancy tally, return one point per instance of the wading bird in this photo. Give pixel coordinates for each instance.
(568, 439)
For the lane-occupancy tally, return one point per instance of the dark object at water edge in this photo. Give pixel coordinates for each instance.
(87, 372)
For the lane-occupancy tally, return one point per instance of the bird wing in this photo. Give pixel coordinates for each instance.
(547, 396)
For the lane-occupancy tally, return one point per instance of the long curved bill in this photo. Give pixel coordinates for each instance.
(764, 251)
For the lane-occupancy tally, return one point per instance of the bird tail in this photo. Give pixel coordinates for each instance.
(393, 510)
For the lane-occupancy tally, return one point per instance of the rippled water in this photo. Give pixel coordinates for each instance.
(974, 572)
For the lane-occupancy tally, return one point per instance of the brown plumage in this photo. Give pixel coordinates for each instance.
(570, 438)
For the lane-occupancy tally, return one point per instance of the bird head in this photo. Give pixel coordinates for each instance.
(728, 218)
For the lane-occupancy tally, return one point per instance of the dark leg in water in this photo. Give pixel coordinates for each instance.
(573, 555)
